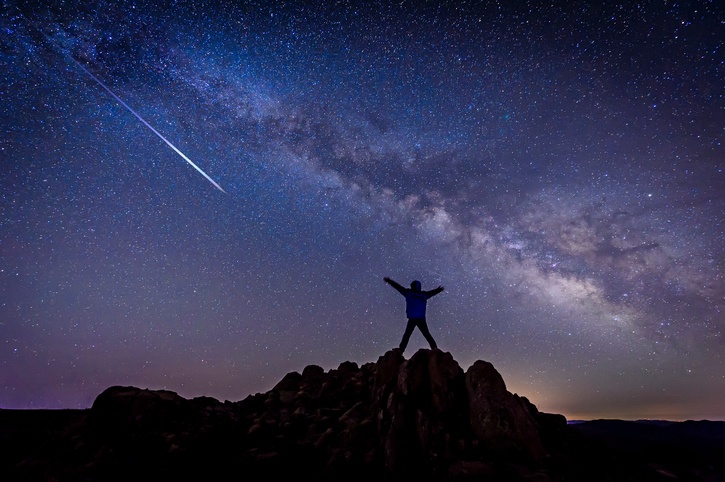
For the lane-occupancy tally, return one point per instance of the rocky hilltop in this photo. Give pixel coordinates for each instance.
(394, 419)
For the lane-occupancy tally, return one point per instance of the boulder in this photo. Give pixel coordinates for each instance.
(425, 414)
(501, 421)
(132, 409)
(288, 387)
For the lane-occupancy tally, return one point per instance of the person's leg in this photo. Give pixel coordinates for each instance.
(423, 326)
(406, 336)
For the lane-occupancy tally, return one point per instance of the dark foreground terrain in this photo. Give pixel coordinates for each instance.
(391, 420)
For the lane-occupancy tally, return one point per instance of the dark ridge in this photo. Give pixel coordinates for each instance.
(395, 419)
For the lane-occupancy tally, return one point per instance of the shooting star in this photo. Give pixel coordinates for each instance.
(123, 104)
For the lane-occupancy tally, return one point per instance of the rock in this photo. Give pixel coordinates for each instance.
(347, 368)
(312, 380)
(421, 418)
(501, 421)
(288, 387)
(311, 375)
(426, 410)
(130, 408)
(386, 373)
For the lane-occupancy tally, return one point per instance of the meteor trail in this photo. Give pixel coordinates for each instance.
(125, 105)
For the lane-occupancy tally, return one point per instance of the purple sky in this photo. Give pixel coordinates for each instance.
(557, 167)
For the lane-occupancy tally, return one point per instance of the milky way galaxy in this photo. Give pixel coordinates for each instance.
(558, 167)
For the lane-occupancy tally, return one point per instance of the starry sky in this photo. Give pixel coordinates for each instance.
(557, 166)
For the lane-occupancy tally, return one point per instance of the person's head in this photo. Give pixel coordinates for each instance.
(415, 285)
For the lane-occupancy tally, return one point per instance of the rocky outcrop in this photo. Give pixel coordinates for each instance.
(395, 418)
(501, 421)
(422, 415)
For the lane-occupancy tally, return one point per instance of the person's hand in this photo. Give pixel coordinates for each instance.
(387, 280)
(441, 288)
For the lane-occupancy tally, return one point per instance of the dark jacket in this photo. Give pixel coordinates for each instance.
(415, 299)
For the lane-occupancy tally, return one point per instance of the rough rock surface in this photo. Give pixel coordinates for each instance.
(390, 420)
(500, 420)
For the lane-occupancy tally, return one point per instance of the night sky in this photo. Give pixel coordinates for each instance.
(557, 166)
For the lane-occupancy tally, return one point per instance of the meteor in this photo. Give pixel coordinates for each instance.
(124, 104)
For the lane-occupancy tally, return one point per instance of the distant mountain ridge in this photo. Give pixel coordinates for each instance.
(394, 419)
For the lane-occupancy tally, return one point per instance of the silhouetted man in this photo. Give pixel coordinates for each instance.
(415, 301)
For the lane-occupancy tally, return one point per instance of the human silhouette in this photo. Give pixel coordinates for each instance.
(415, 301)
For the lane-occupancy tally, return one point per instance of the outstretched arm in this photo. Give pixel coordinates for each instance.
(434, 292)
(395, 285)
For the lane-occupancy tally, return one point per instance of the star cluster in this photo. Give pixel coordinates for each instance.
(557, 166)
